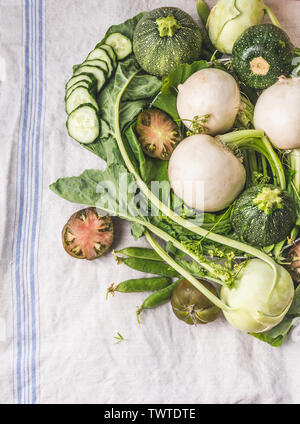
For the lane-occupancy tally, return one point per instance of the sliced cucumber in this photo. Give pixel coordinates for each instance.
(102, 55)
(82, 77)
(97, 62)
(83, 124)
(110, 51)
(121, 45)
(99, 74)
(79, 96)
(84, 84)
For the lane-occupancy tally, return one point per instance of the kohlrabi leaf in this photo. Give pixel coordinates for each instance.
(142, 87)
(106, 149)
(137, 230)
(137, 95)
(113, 190)
(277, 335)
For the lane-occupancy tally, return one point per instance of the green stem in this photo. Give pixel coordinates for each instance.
(166, 237)
(272, 16)
(207, 293)
(264, 147)
(275, 159)
(203, 11)
(264, 166)
(247, 167)
(252, 164)
(240, 135)
(294, 159)
(171, 214)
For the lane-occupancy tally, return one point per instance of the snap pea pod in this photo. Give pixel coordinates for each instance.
(140, 252)
(139, 285)
(158, 298)
(148, 266)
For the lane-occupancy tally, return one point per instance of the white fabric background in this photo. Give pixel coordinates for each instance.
(162, 360)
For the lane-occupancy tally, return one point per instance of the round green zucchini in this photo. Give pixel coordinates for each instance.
(264, 215)
(261, 55)
(164, 38)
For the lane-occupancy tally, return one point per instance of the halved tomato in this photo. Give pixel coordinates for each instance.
(158, 133)
(87, 234)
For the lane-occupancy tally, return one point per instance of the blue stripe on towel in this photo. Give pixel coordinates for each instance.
(20, 219)
(36, 199)
(28, 213)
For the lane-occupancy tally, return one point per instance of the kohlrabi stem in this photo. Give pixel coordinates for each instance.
(252, 164)
(264, 165)
(261, 145)
(171, 214)
(278, 164)
(203, 11)
(207, 293)
(240, 135)
(272, 16)
(247, 168)
(166, 237)
(294, 159)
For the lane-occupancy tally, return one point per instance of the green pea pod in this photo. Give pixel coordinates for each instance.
(158, 298)
(140, 285)
(140, 252)
(148, 266)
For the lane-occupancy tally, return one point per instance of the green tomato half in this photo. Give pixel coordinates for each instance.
(191, 306)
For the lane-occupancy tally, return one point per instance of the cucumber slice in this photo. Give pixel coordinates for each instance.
(110, 51)
(97, 62)
(79, 96)
(98, 73)
(121, 45)
(82, 83)
(82, 77)
(102, 55)
(83, 124)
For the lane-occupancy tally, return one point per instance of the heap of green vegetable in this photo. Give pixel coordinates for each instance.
(203, 123)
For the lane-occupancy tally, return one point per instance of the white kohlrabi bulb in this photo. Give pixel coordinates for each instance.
(257, 303)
